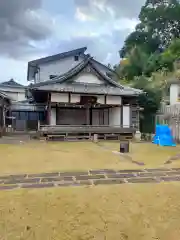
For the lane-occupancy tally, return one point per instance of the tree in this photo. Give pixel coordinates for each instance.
(150, 52)
(159, 25)
(140, 39)
(161, 18)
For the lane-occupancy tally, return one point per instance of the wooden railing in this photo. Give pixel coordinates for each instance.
(86, 128)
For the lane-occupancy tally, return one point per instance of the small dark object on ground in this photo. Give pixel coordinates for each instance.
(124, 147)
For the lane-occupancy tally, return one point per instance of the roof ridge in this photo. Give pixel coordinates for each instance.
(83, 49)
(108, 78)
(80, 65)
(11, 83)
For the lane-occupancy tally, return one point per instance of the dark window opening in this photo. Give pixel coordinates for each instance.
(76, 58)
(52, 76)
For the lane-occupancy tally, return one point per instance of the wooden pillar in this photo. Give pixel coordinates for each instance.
(91, 116)
(87, 115)
(138, 119)
(49, 109)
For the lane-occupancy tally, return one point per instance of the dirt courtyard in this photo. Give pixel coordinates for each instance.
(36, 156)
(142, 211)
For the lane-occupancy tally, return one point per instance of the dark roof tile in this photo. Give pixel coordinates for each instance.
(11, 83)
(77, 69)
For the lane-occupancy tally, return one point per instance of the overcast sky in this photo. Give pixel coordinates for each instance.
(32, 29)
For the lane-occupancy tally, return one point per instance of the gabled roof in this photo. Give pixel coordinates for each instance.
(58, 56)
(11, 83)
(98, 64)
(32, 65)
(77, 69)
(110, 86)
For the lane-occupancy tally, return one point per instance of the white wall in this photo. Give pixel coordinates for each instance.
(56, 68)
(114, 100)
(100, 99)
(53, 116)
(59, 97)
(115, 116)
(126, 116)
(75, 98)
(16, 94)
(174, 92)
(87, 78)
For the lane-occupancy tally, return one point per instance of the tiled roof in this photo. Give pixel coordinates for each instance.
(90, 89)
(110, 86)
(77, 69)
(3, 95)
(11, 83)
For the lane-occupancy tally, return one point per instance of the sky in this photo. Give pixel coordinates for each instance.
(32, 29)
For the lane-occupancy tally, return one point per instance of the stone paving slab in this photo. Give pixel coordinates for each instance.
(54, 174)
(130, 171)
(126, 175)
(89, 178)
(141, 180)
(175, 169)
(67, 174)
(152, 174)
(13, 177)
(170, 179)
(68, 184)
(8, 187)
(102, 171)
(38, 185)
(108, 181)
(85, 182)
(57, 179)
(157, 169)
(27, 180)
(173, 173)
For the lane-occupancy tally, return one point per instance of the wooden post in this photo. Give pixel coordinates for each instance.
(49, 109)
(87, 115)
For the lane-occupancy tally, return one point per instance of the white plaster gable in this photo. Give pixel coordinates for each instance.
(87, 78)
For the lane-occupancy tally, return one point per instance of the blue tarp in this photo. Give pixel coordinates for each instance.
(163, 136)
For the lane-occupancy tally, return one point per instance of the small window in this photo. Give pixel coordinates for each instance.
(76, 58)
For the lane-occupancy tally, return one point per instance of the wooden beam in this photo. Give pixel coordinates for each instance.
(69, 97)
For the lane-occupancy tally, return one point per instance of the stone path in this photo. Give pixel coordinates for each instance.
(89, 178)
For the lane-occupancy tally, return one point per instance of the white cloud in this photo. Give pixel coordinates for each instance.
(17, 69)
(101, 9)
(82, 16)
(101, 25)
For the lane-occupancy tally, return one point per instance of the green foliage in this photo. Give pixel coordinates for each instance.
(150, 53)
(149, 101)
(161, 18)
